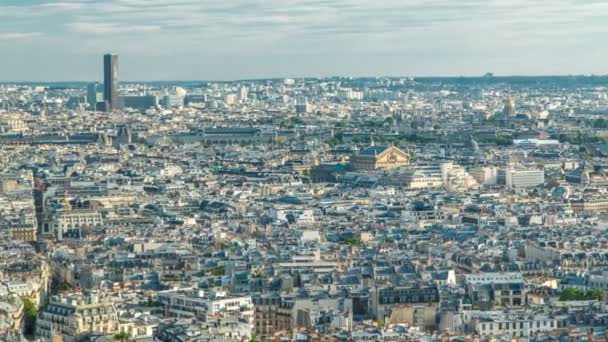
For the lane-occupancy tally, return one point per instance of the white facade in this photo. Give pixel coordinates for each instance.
(302, 217)
(521, 326)
(523, 178)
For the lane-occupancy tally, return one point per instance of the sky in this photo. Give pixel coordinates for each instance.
(64, 40)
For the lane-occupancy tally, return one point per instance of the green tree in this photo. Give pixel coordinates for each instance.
(31, 312)
(122, 336)
(600, 123)
(64, 286)
(572, 294)
(340, 137)
(217, 271)
(296, 120)
(596, 294)
(353, 242)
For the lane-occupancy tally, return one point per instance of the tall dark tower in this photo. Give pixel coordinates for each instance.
(110, 82)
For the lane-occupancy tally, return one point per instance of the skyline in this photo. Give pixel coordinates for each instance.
(254, 39)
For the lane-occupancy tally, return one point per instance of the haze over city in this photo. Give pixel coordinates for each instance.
(47, 40)
(309, 171)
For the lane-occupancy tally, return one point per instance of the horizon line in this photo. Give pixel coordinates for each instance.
(325, 77)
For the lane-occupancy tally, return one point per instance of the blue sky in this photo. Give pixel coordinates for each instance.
(47, 40)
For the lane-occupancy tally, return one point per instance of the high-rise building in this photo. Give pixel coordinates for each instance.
(110, 75)
(243, 93)
(302, 105)
(94, 94)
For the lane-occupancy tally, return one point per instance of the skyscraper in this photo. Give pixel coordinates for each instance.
(110, 75)
(94, 95)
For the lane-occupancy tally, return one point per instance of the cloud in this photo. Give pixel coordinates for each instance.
(18, 36)
(228, 37)
(111, 28)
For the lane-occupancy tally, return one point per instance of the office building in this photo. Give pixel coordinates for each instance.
(302, 105)
(110, 74)
(95, 95)
(523, 178)
(140, 102)
(172, 100)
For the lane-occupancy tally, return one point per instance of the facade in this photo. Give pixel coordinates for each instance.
(110, 77)
(75, 219)
(12, 123)
(509, 108)
(302, 106)
(172, 100)
(272, 316)
(380, 157)
(487, 290)
(95, 94)
(198, 305)
(520, 178)
(140, 102)
(411, 304)
(11, 315)
(299, 217)
(25, 231)
(73, 316)
(501, 326)
(590, 204)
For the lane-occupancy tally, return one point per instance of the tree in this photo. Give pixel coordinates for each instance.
(600, 123)
(217, 271)
(122, 336)
(63, 287)
(353, 242)
(596, 294)
(31, 312)
(572, 294)
(296, 120)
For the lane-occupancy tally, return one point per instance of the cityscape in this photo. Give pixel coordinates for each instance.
(311, 209)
